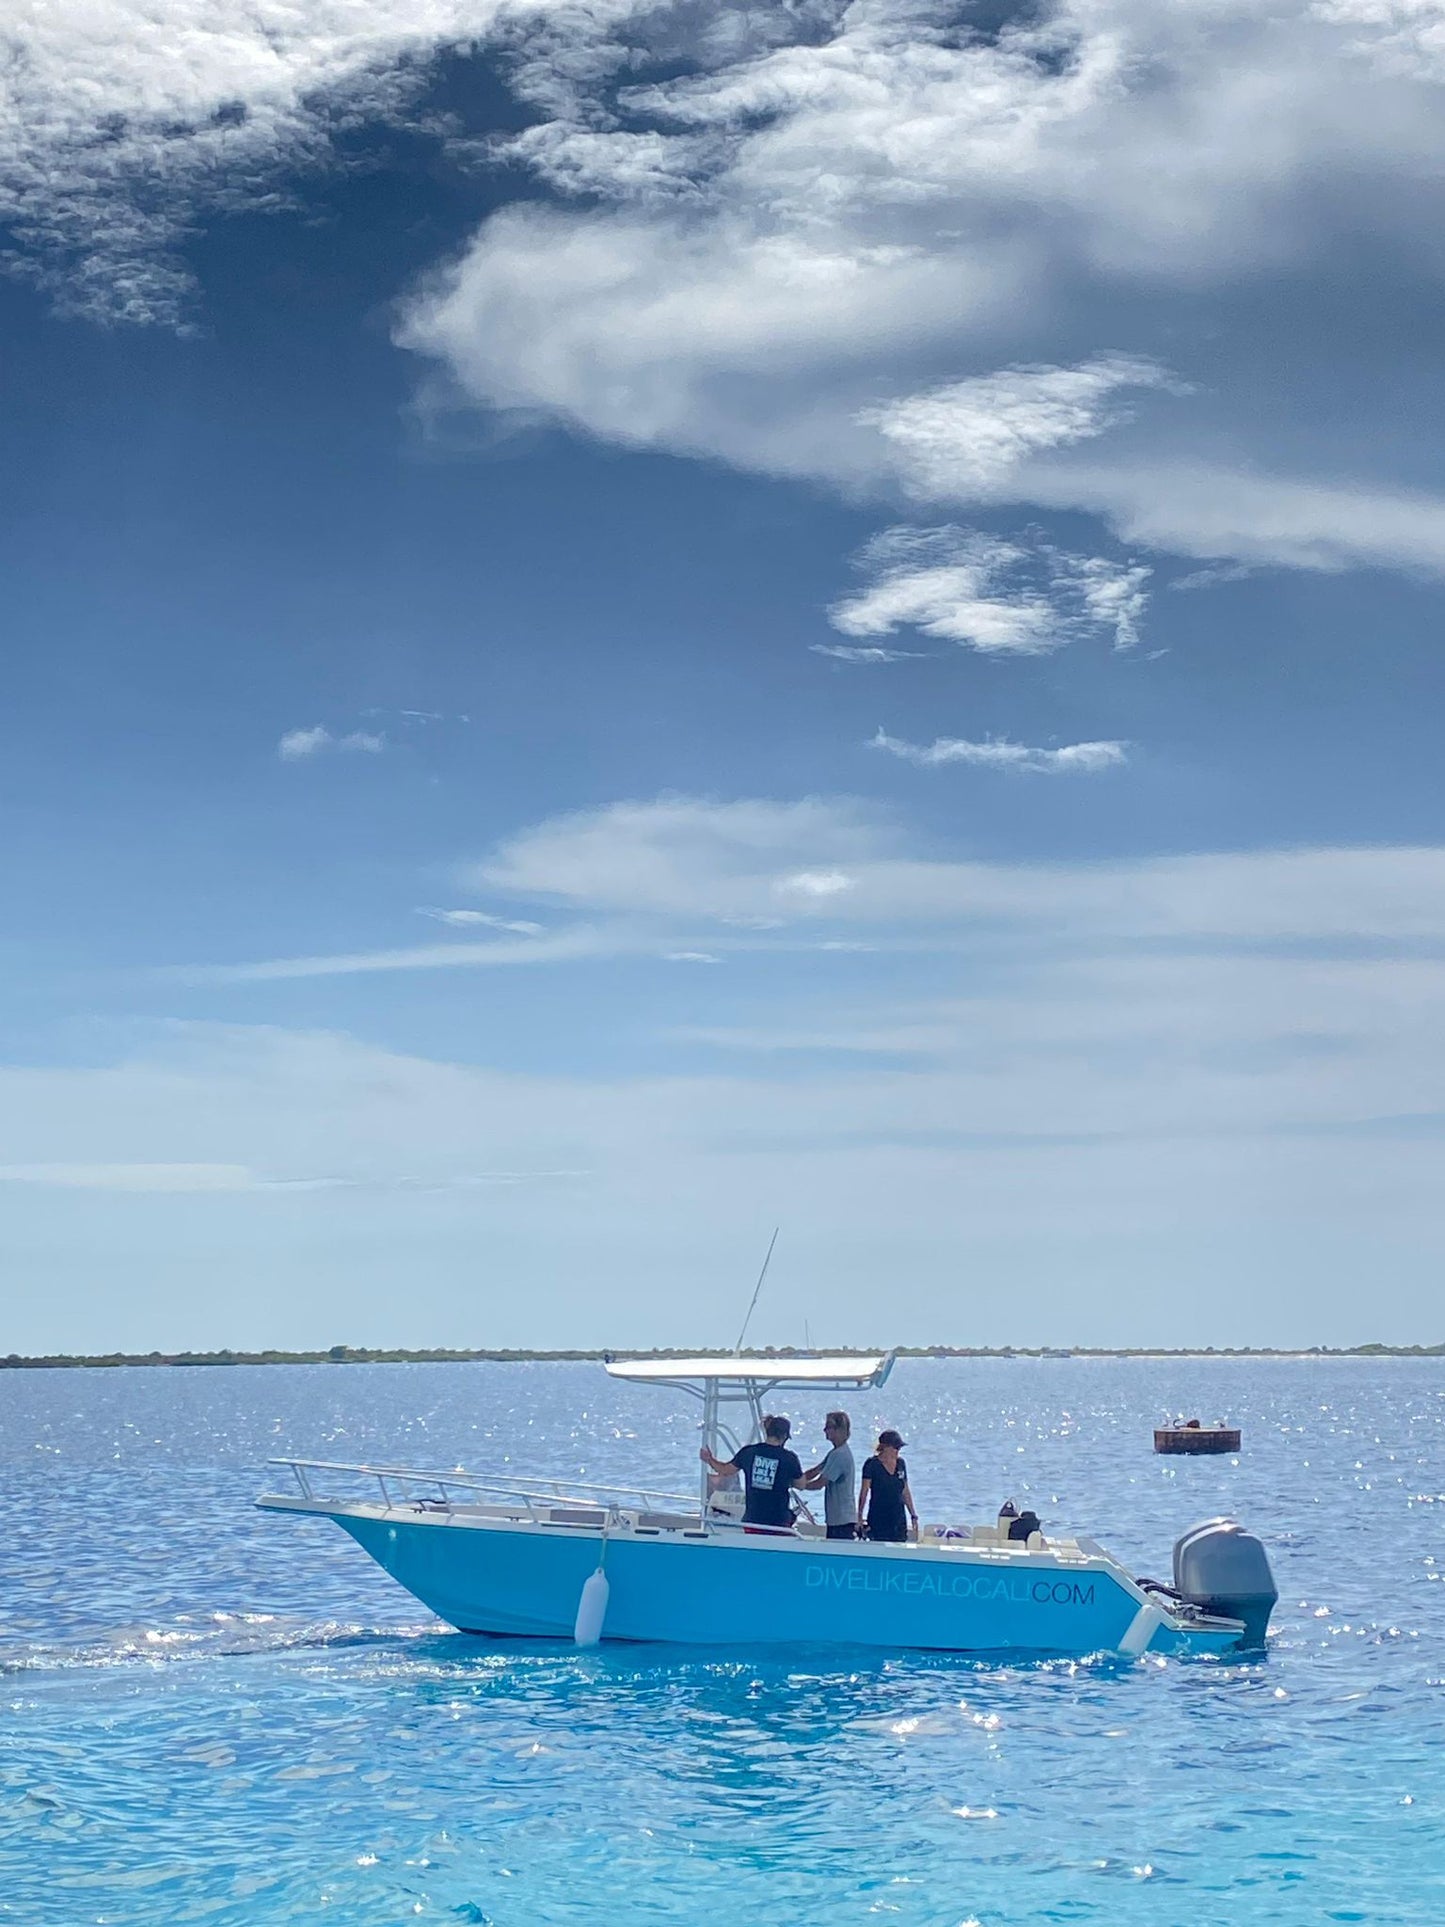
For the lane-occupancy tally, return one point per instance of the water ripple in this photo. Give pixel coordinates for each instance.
(215, 1715)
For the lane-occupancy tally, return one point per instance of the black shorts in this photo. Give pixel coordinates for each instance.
(842, 1532)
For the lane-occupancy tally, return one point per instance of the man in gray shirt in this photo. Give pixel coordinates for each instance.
(835, 1475)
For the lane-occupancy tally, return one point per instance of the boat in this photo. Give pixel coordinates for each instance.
(508, 1555)
(1191, 1436)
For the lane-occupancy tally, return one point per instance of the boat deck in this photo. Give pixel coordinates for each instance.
(473, 1499)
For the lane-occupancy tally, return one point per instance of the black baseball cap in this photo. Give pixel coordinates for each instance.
(891, 1438)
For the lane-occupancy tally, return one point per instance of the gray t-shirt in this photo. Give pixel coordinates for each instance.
(840, 1493)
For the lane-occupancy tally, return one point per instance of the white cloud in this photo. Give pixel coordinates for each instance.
(1399, 37)
(804, 259)
(962, 441)
(1113, 595)
(687, 873)
(786, 244)
(679, 854)
(815, 885)
(995, 752)
(688, 856)
(852, 652)
(1210, 510)
(1227, 513)
(122, 127)
(1083, 1102)
(810, 253)
(943, 582)
(1215, 575)
(471, 919)
(566, 946)
(989, 593)
(297, 744)
(673, 332)
(690, 956)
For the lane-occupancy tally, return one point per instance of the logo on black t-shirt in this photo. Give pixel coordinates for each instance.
(769, 1471)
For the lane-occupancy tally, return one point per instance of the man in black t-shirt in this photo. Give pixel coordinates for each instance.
(769, 1470)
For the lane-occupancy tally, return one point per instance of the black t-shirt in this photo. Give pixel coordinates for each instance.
(885, 1499)
(768, 1471)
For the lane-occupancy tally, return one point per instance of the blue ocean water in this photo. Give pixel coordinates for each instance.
(213, 1714)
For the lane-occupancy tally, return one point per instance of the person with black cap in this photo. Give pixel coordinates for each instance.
(884, 1495)
(769, 1470)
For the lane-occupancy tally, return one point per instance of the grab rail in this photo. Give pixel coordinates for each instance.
(533, 1493)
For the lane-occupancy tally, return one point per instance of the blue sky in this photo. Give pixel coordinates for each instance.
(627, 623)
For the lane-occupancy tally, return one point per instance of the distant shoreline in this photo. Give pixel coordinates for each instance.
(365, 1355)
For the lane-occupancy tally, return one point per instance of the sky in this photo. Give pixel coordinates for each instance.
(629, 623)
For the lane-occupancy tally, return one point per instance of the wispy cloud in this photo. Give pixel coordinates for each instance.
(991, 594)
(420, 719)
(298, 744)
(949, 583)
(561, 947)
(1113, 594)
(690, 956)
(853, 652)
(122, 127)
(996, 752)
(1162, 1098)
(471, 919)
(172, 1178)
(816, 886)
(692, 874)
(732, 862)
(1229, 513)
(679, 853)
(963, 441)
(1213, 577)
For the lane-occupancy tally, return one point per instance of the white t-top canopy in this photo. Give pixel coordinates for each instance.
(734, 1368)
(731, 1387)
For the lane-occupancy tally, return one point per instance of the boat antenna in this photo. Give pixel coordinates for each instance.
(757, 1288)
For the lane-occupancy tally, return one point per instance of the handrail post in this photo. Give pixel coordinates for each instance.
(385, 1495)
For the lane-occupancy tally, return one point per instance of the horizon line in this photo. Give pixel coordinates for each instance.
(517, 1355)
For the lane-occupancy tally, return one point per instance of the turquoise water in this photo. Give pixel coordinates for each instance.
(214, 1714)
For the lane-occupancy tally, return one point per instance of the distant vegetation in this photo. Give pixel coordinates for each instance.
(370, 1355)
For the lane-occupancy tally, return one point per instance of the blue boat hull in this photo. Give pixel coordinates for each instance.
(712, 1591)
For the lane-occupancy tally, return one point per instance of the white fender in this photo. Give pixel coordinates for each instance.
(592, 1609)
(1142, 1628)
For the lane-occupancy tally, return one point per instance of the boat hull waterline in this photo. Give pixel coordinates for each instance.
(525, 1578)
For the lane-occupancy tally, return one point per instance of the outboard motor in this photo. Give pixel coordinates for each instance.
(1224, 1570)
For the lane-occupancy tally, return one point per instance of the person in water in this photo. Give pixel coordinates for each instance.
(884, 1496)
(770, 1471)
(835, 1476)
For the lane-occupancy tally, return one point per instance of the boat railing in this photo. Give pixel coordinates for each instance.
(456, 1487)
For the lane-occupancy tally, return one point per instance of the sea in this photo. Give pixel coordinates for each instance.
(216, 1714)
